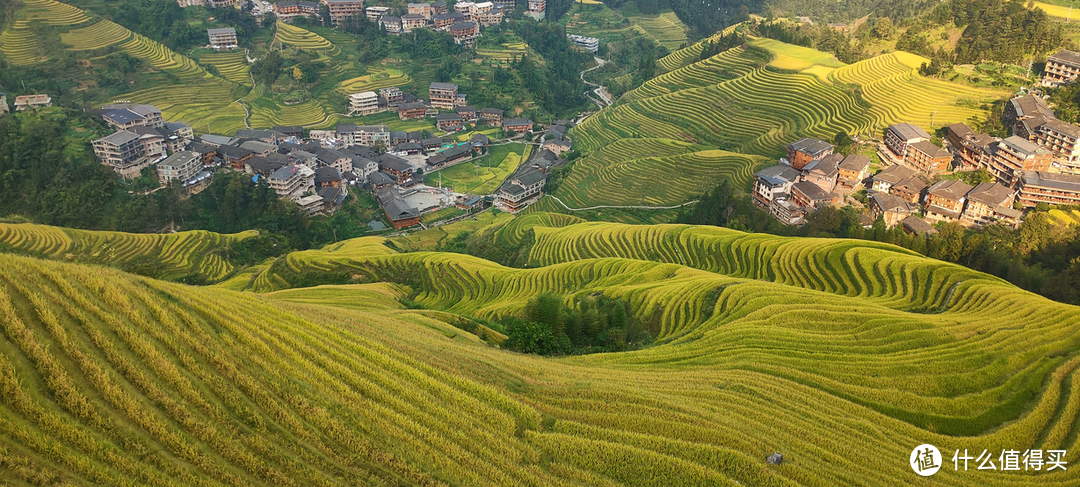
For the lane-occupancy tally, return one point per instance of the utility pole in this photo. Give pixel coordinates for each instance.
(1069, 16)
(932, 115)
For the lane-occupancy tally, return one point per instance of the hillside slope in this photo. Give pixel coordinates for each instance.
(769, 344)
(751, 101)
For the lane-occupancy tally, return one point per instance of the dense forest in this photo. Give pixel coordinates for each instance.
(999, 30)
(50, 176)
(1039, 256)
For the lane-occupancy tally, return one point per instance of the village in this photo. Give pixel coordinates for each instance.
(920, 183)
(317, 169)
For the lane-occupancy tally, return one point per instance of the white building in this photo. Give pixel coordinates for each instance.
(364, 103)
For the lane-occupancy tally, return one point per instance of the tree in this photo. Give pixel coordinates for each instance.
(883, 28)
(530, 337)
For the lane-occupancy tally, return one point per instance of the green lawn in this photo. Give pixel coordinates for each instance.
(483, 175)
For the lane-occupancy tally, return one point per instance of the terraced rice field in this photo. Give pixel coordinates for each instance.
(623, 173)
(179, 254)
(96, 36)
(303, 39)
(842, 355)
(690, 54)
(268, 114)
(868, 348)
(230, 65)
(508, 52)
(19, 45)
(382, 78)
(665, 28)
(1066, 218)
(735, 102)
(51, 12)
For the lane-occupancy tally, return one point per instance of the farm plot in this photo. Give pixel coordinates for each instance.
(665, 28)
(481, 176)
(300, 38)
(19, 45)
(690, 54)
(51, 12)
(229, 65)
(382, 78)
(171, 256)
(96, 36)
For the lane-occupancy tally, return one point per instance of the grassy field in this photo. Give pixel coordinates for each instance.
(1060, 11)
(842, 355)
(165, 256)
(737, 102)
(1062, 217)
(483, 175)
(428, 240)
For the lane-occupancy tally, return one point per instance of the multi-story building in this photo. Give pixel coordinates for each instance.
(1064, 140)
(26, 102)
(464, 8)
(410, 22)
(520, 189)
(374, 13)
(392, 24)
(773, 182)
(412, 111)
(422, 9)
(537, 9)
(439, 7)
(292, 181)
(590, 44)
(391, 95)
(988, 203)
(851, 172)
(806, 194)
(289, 9)
(928, 158)
(448, 122)
(443, 95)
(890, 209)
(492, 116)
(900, 136)
(3, 103)
(804, 151)
(1015, 154)
(343, 9)
(222, 38)
(123, 152)
(364, 103)
(464, 33)
(126, 115)
(190, 3)
(1025, 107)
(486, 13)
(1062, 68)
(1036, 187)
(177, 135)
(945, 200)
(518, 125)
(884, 180)
(823, 172)
(181, 166)
(444, 21)
(973, 150)
(365, 135)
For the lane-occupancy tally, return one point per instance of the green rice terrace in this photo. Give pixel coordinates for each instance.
(482, 175)
(842, 355)
(659, 142)
(170, 256)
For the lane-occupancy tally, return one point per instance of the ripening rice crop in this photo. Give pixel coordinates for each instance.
(19, 45)
(51, 12)
(301, 38)
(666, 29)
(690, 54)
(229, 65)
(171, 255)
(842, 355)
(96, 36)
(382, 78)
(1065, 217)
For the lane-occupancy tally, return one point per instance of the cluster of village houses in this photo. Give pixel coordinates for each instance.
(317, 171)
(463, 23)
(1038, 163)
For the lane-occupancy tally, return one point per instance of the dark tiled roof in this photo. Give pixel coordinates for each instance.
(1063, 182)
(443, 86)
(960, 129)
(917, 225)
(928, 148)
(1030, 106)
(889, 203)
(894, 174)
(810, 146)
(1067, 56)
(1023, 146)
(812, 191)
(448, 117)
(233, 151)
(990, 194)
(855, 162)
(513, 122)
(953, 189)
(779, 174)
(327, 174)
(394, 163)
(491, 111)
(1063, 127)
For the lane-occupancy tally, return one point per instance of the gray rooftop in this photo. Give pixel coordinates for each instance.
(179, 159)
(1043, 179)
(953, 189)
(1023, 146)
(908, 131)
(516, 121)
(1067, 57)
(810, 146)
(119, 138)
(894, 174)
(990, 194)
(221, 31)
(855, 162)
(443, 86)
(890, 203)
(812, 191)
(448, 117)
(928, 148)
